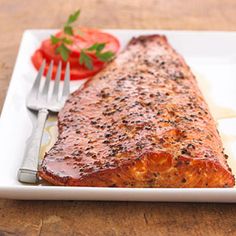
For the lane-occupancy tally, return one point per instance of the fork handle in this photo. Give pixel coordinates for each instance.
(29, 168)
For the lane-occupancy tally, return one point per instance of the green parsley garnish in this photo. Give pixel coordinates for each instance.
(64, 51)
(72, 18)
(84, 58)
(97, 48)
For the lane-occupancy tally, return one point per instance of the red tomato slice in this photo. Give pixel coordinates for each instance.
(85, 39)
(48, 51)
(79, 72)
(88, 37)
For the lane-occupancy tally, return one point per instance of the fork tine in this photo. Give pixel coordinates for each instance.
(66, 87)
(48, 78)
(36, 85)
(56, 82)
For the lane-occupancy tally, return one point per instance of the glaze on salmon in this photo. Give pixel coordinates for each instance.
(141, 122)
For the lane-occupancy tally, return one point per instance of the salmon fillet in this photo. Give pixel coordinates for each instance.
(141, 122)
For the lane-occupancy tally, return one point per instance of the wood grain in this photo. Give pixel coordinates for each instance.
(111, 218)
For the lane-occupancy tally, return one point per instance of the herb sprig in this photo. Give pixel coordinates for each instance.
(62, 49)
(97, 48)
(72, 18)
(84, 58)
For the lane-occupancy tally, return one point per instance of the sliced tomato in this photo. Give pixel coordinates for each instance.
(85, 39)
(48, 51)
(88, 37)
(78, 72)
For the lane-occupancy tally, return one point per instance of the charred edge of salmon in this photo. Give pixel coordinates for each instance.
(147, 38)
(146, 171)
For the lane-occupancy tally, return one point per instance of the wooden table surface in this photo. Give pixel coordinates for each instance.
(110, 218)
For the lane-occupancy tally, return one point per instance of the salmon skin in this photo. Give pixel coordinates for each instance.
(141, 122)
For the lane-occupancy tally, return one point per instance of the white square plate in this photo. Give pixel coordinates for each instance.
(211, 56)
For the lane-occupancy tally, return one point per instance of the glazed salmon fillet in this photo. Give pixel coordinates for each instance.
(141, 122)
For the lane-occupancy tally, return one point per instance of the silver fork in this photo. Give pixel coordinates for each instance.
(41, 101)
